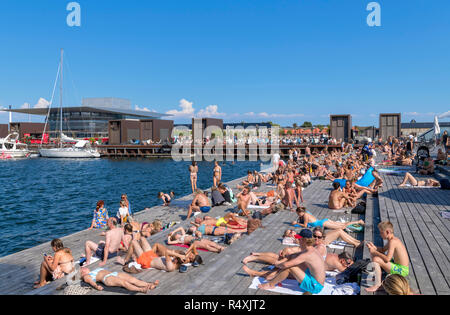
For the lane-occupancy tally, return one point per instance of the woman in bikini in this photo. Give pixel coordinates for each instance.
(200, 230)
(54, 268)
(409, 179)
(217, 174)
(307, 220)
(185, 239)
(115, 279)
(193, 170)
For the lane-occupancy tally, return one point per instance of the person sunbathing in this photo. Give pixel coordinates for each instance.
(230, 220)
(290, 237)
(338, 199)
(158, 256)
(307, 220)
(306, 266)
(200, 203)
(115, 279)
(186, 239)
(409, 179)
(201, 229)
(54, 268)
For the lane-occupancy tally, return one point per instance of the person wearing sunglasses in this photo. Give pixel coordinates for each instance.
(332, 261)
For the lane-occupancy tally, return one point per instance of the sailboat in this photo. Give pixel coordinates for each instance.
(82, 149)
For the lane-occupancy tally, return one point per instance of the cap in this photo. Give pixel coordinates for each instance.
(305, 233)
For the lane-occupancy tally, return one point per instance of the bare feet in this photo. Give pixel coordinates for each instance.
(266, 286)
(248, 259)
(40, 285)
(361, 222)
(120, 260)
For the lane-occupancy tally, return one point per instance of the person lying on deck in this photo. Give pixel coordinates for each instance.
(158, 256)
(201, 203)
(409, 179)
(54, 268)
(231, 220)
(307, 220)
(186, 239)
(306, 266)
(115, 279)
(396, 261)
(202, 229)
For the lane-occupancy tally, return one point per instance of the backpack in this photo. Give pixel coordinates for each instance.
(445, 184)
(360, 208)
(350, 274)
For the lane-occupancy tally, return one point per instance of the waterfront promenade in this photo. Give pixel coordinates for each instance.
(414, 213)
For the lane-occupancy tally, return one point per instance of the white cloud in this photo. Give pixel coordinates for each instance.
(42, 103)
(419, 114)
(25, 106)
(143, 109)
(445, 115)
(210, 111)
(186, 109)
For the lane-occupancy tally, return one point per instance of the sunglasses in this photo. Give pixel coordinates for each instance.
(319, 237)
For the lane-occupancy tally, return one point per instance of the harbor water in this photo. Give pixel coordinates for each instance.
(45, 199)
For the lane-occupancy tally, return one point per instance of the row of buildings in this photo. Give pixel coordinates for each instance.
(115, 121)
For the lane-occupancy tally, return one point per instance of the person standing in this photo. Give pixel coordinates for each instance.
(193, 170)
(445, 141)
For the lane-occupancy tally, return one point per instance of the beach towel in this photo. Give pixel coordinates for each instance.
(82, 260)
(445, 214)
(410, 186)
(257, 207)
(291, 287)
(187, 246)
(139, 267)
(338, 245)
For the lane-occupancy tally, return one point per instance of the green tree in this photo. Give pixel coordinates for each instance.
(307, 124)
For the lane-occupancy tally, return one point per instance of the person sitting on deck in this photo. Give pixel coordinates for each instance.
(123, 216)
(338, 199)
(441, 157)
(306, 266)
(244, 199)
(409, 179)
(158, 256)
(200, 203)
(396, 261)
(115, 279)
(332, 261)
(166, 198)
(54, 268)
(428, 167)
(307, 220)
(109, 248)
(397, 285)
(185, 239)
(100, 216)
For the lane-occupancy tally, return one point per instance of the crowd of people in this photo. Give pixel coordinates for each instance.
(352, 175)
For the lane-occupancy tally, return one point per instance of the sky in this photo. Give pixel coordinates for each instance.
(286, 61)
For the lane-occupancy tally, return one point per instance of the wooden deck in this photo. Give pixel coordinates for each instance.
(414, 213)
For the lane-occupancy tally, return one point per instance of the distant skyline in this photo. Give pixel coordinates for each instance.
(284, 61)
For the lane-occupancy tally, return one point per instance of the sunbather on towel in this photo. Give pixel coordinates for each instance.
(307, 266)
(307, 220)
(409, 179)
(332, 261)
(230, 220)
(115, 279)
(202, 229)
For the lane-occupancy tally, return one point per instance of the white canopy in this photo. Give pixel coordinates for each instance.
(437, 129)
(81, 144)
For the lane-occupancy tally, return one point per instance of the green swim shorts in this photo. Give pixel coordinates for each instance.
(399, 270)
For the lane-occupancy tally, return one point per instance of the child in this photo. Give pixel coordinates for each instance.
(123, 214)
(396, 261)
(167, 198)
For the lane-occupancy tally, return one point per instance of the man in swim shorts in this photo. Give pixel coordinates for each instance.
(307, 266)
(200, 203)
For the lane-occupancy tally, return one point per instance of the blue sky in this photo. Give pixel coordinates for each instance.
(287, 61)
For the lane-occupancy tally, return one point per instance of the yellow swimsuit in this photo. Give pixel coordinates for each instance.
(220, 221)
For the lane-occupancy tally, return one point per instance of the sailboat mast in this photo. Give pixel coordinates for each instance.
(61, 98)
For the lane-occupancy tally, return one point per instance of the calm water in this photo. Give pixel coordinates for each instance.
(46, 199)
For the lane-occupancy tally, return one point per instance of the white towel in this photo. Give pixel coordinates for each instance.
(410, 186)
(291, 287)
(257, 207)
(445, 214)
(338, 245)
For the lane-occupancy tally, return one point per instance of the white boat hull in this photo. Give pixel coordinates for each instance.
(69, 154)
(15, 154)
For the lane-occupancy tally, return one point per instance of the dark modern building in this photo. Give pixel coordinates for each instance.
(92, 118)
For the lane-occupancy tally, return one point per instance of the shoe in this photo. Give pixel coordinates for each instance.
(195, 264)
(183, 268)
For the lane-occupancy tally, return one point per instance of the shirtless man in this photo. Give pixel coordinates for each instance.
(217, 174)
(396, 261)
(338, 199)
(419, 183)
(200, 203)
(158, 256)
(109, 248)
(244, 199)
(307, 266)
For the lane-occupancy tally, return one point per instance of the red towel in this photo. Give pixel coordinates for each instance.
(187, 246)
